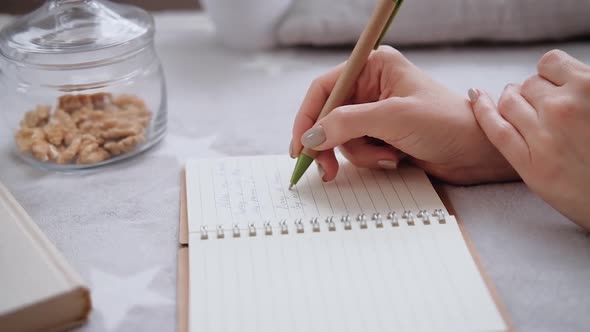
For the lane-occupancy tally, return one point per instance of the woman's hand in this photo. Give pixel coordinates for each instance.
(396, 103)
(542, 127)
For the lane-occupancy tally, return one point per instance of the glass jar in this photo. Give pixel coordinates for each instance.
(82, 84)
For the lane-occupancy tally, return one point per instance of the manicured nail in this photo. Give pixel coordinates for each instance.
(313, 137)
(473, 95)
(387, 164)
(291, 151)
(321, 171)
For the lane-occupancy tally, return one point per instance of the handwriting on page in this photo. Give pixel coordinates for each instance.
(254, 190)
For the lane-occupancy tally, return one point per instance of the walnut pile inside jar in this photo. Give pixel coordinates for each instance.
(84, 129)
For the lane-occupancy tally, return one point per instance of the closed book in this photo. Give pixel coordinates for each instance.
(39, 290)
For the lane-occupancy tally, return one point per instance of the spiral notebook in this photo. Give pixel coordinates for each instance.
(371, 251)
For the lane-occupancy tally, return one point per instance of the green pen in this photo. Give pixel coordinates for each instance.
(369, 40)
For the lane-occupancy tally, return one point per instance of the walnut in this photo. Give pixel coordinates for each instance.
(69, 153)
(122, 132)
(136, 114)
(63, 119)
(89, 115)
(87, 140)
(69, 137)
(91, 138)
(92, 153)
(60, 124)
(94, 157)
(27, 136)
(72, 103)
(37, 117)
(124, 101)
(44, 151)
(54, 152)
(101, 100)
(84, 128)
(125, 145)
(82, 114)
(55, 134)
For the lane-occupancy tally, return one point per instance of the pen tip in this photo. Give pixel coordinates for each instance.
(291, 186)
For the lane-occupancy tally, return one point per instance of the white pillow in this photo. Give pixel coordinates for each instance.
(325, 22)
(255, 24)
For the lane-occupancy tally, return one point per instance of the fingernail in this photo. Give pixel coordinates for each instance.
(313, 137)
(321, 171)
(473, 95)
(387, 164)
(291, 151)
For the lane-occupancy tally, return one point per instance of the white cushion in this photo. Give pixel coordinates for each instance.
(325, 22)
(256, 24)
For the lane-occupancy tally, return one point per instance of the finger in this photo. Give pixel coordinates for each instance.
(536, 89)
(353, 121)
(327, 165)
(312, 105)
(558, 67)
(516, 109)
(382, 75)
(499, 131)
(291, 152)
(362, 153)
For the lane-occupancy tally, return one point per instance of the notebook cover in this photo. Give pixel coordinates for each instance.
(42, 307)
(183, 270)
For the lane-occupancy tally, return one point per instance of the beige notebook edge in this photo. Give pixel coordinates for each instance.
(182, 256)
(183, 259)
(475, 255)
(79, 290)
(52, 306)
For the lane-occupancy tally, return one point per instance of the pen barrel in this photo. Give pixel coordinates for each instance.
(370, 37)
(358, 58)
(310, 152)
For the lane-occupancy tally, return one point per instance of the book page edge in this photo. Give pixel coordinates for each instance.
(43, 245)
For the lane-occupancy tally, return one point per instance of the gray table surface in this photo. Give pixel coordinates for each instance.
(119, 227)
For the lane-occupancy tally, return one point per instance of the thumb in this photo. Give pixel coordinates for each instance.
(348, 122)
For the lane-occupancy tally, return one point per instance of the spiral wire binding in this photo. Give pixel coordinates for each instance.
(267, 228)
(392, 218)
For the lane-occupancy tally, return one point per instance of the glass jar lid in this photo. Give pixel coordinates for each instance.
(81, 32)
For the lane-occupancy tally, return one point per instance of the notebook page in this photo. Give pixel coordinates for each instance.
(394, 278)
(245, 190)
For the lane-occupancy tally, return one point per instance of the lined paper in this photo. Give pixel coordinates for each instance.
(398, 277)
(406, 278)
(247, 190)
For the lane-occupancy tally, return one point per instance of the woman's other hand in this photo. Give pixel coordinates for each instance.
(542, 127)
